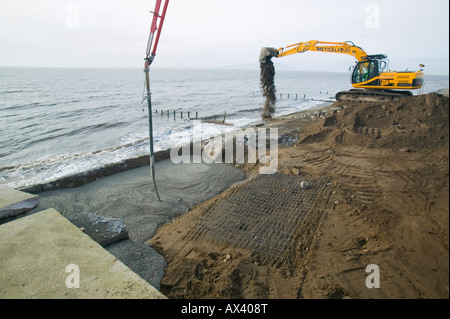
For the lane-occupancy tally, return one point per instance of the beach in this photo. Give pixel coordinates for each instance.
(383, 201)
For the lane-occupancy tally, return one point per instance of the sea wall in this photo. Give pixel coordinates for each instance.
(94, 174)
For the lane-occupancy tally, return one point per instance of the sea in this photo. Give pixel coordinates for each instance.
(57, 122)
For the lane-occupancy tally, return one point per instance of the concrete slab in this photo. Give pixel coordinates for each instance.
(44, 255)
(14, 202)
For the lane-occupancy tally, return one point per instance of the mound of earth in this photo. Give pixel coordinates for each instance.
(411, 123)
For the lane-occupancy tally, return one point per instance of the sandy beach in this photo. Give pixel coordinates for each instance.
(384, 202)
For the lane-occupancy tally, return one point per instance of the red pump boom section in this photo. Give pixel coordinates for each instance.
(156, 29)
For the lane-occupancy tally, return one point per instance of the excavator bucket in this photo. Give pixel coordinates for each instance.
(267, 53)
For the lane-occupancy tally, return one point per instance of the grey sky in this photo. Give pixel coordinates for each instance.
(216, 33)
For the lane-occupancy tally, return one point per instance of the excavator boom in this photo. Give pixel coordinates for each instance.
(321, 46)
(347, 47)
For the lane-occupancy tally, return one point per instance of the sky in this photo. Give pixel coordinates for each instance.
(222, 33)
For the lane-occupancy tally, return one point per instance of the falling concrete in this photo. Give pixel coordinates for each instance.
(267, 79)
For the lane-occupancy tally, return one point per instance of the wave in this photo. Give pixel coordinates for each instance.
(13, 92)
(21, 142)
(55, 167)
(18, 107)
(76, 132)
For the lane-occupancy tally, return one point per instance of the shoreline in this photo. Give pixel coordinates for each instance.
(92, 175)
(89, 176)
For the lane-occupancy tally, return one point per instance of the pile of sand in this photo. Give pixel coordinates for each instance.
(412, 123)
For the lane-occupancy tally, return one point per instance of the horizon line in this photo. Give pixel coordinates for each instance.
(180, 67)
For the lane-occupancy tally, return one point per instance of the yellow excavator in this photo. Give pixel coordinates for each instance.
(370, 77)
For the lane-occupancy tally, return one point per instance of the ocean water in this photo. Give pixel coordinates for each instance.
(55, 122)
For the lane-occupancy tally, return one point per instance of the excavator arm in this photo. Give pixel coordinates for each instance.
(347, 47)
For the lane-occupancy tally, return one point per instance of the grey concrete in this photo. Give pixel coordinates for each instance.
(14, 202)
(104, 231)
(130, 197)
(141, 258)
(37, 250)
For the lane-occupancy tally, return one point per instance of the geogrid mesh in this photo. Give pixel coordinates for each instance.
(264, 215)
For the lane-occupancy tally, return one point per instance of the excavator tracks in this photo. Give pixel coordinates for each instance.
(371, 95)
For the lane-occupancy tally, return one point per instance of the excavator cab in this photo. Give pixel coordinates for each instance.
(367, 72)
(373, 75)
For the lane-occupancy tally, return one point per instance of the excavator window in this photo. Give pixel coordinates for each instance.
(382, 66)
(364, 71)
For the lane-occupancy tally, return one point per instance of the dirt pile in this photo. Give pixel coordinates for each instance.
(267, 78)
(386, 204)
(409, 124)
